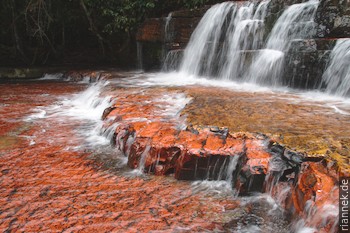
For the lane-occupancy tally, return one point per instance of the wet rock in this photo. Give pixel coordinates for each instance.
(333, 19)
(316, 192)
(304, 68)
(293, 157)
(208, 152)
(151, 30)
(139, 148)
(106, 112)
(156, 41)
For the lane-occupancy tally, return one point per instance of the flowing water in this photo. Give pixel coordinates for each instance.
(68, 166)
(224, 31)
(62, 169)
(229, 41)
(337, 75)
(296, 22)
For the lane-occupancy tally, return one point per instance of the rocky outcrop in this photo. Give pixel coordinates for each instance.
(307, 60)
(158, 36)
(333, 19)
(304, 62)
(28, 73)
(249, 162)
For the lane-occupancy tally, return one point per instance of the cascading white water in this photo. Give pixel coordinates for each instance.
(245, 32)
(296, 22)
(222, 43)
(166, 27)
(139, 55)
(224, 31)
(337, 75)
(203, 44)
(172, 60)
(167, 38)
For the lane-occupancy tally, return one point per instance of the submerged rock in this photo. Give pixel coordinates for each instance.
(248, 162)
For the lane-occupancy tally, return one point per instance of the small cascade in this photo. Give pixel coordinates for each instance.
(172, 60)
(167, 39)
(167, 31)
(224, 31)
(229, 42)
(231, 168)
(296, 22)
(201, 50)
(246, 32)
(337, 76)
(139, 55)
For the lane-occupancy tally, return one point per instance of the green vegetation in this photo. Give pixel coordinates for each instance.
(37, 32)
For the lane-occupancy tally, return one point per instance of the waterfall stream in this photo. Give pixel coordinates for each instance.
(296, 22)
(337, 75)
(224, 31)
(228, 43)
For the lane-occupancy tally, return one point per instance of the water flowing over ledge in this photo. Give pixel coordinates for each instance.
(233, 42)
(146, 126)
(135, 114)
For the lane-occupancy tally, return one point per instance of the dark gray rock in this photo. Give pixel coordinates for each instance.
(333, 19)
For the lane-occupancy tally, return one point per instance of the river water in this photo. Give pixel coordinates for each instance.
(59, 172)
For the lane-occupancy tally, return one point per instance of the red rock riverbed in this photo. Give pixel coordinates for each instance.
(50, 181)
(47, 187)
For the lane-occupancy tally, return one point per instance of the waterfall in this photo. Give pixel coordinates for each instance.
(296, 22)
(224, 31)
(167, 33)
(205, 38)
(172, 60)
(167, 39)
(337, 76)
(245, 32)
(229, 43)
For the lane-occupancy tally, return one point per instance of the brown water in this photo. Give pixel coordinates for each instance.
(303, 125)
(56, 175)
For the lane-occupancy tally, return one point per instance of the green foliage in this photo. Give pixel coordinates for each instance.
(192, 4)
(37, 31)
(120, 16)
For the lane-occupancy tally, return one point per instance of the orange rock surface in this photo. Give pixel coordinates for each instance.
(47, 187)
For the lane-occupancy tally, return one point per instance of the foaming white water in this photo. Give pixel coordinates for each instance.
(166, 27)
(316, 218)
(334, 104)
(52, 76)
(183, 79)
(172, 60)
(220, 186)
(87, 106)
(245, 32)
(215, 45)
(337, 75)
(296, 22)
(204, 40)
(169, 107)
(38, 114)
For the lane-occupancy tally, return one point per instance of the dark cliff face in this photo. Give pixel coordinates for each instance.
(161, 35)
(333, 19)
(304, 63)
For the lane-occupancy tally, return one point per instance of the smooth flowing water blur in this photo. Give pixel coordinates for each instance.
(337, 75)
(59, 168)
